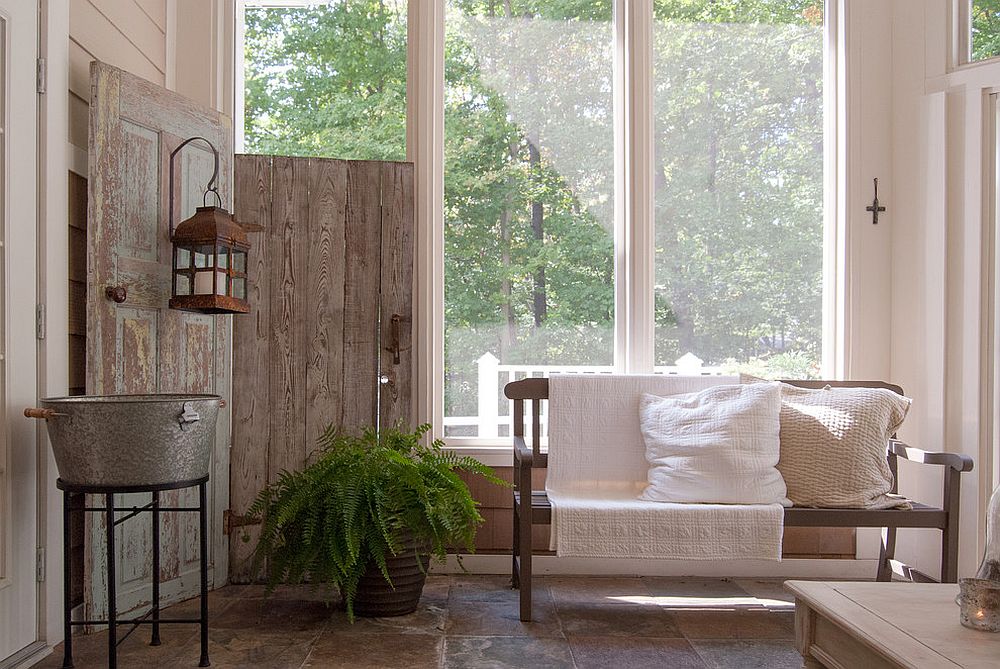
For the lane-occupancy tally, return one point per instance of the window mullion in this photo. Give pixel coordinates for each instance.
(425, 148)
(634, 270)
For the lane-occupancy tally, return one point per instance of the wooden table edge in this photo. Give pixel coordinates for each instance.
(809, 594)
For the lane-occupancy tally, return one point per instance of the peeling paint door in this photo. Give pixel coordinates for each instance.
(139, 345)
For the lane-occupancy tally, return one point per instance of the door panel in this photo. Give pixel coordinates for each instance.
(142, 346)
(333, 262)
(18, 267)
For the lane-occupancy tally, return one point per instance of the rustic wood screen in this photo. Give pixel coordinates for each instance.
(330, 291)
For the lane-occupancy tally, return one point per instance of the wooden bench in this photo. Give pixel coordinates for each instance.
(532, 507)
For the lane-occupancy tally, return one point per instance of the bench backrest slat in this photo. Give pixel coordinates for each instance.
(537, 389)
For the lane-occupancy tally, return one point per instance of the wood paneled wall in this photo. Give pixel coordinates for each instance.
(130, 34)
(331, 268)
(496, 506)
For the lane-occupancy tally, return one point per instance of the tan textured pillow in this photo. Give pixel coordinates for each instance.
(833, 445)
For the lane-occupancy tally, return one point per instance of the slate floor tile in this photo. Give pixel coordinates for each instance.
(617, 620)
(415, 651)
(499, 652)
(632, 653)
(486, 618)
(752, 624)
(761, 654)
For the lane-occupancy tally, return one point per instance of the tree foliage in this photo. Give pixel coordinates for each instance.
(985, 17)
(529, 167)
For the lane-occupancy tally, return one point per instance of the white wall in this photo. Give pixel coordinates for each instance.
(937, 260)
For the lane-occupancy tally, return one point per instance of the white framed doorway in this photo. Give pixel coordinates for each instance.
(18, 345)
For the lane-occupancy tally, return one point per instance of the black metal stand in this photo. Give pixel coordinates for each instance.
(152, 617)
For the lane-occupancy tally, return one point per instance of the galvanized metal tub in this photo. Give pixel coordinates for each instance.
(131, 440)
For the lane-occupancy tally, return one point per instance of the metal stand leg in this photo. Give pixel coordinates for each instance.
(203, 536)
(109, 500)
(155, 640)
(67, 581)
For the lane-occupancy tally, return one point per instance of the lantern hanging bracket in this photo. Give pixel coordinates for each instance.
(212, 186)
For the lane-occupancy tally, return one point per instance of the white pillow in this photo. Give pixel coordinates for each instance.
(718, 445)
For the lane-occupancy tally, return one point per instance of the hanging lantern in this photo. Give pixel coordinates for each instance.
(210, 254)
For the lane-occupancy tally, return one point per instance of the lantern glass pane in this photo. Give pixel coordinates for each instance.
(203, 283)
(182, 284)
(222, 258)
(204, 256)
(239, 288)
(239, 260)
(183, 258)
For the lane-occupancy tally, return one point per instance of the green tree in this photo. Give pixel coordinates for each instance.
(985, 17)
(529, 167)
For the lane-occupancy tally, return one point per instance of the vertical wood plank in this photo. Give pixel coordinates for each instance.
(325, 287)
(362, 276)
(251, 360)
(396, 311)
(287, 260)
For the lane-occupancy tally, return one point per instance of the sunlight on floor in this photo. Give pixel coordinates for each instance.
(714, 603)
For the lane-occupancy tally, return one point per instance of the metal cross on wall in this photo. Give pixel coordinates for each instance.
(875, 207)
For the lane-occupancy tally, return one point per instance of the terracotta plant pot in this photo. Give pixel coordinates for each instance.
(408, 571)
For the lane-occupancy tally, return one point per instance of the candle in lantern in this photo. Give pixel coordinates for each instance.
(203, 283)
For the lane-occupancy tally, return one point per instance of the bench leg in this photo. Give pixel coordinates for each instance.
(515, 552)
(949, 535)
(886, 554)
(524, 571)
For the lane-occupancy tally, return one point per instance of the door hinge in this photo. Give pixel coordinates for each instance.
(230, 521)
(40, 321)
(40, 564)
(41, 75)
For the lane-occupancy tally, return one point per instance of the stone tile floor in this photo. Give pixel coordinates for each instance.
(472, 621)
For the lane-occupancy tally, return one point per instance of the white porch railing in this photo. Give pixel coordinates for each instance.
(492, 377)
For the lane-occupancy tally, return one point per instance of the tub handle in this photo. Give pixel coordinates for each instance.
(188, 416)
(42, 414)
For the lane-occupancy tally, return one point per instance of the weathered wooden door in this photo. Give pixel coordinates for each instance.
(139, 345)
(328, 336)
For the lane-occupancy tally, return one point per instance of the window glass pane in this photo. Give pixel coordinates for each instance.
(529, 167)
(985, 17)
(739, 184)
(326, 80)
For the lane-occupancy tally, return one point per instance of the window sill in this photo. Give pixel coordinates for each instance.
(491, 452)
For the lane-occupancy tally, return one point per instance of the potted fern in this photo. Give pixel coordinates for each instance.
(366, 515)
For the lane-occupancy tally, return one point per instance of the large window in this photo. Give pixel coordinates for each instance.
(528, 210)
(325, 78)
(537, 239)
(738, 169)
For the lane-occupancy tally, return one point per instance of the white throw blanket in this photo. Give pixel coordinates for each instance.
(597, 469)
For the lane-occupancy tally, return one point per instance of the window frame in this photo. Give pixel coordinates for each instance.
(960, 49)
(633, 26)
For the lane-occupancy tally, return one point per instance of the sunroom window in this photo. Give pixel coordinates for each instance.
(538, 262)
(983, 28)
(738, 173)
(324, 79)
(528, 211)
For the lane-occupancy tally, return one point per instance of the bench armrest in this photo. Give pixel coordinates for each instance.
(958, 462)
(523, 454)
(525, 457)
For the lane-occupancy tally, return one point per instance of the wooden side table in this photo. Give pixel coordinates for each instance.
(886, 625)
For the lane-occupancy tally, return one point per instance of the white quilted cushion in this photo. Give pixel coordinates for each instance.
(833, 446)
(718, 445)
